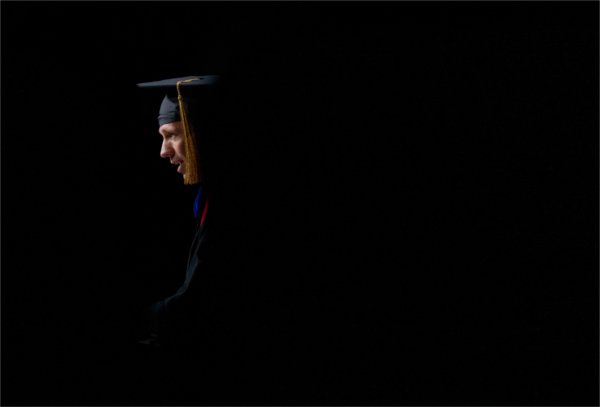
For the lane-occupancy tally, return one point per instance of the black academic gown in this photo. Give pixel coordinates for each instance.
(194, 350)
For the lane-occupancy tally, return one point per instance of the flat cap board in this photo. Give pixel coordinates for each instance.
(169, 84)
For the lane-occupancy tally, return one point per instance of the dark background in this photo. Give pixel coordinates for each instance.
(428, 194)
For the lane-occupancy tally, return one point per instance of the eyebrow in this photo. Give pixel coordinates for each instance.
(166, 132)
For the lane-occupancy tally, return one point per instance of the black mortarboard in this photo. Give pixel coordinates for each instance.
(179, 93)
(170, 109)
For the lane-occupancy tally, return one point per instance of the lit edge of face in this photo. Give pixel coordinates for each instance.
(173, 145)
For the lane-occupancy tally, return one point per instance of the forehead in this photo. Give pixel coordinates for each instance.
(174, 127)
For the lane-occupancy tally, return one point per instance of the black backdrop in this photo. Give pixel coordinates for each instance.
(428, 171)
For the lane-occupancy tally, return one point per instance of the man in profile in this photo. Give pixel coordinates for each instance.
(193, 335)
(234, 331)
(181, 147)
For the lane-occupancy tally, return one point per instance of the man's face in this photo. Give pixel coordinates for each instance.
(173, 145)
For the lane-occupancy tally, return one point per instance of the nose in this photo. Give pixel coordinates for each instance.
(165, 150)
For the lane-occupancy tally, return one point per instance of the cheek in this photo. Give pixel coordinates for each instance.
(179, 148)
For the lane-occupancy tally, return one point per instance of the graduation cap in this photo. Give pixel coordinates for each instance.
(179, 93)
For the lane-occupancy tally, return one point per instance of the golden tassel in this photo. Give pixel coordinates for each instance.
(191, 175)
